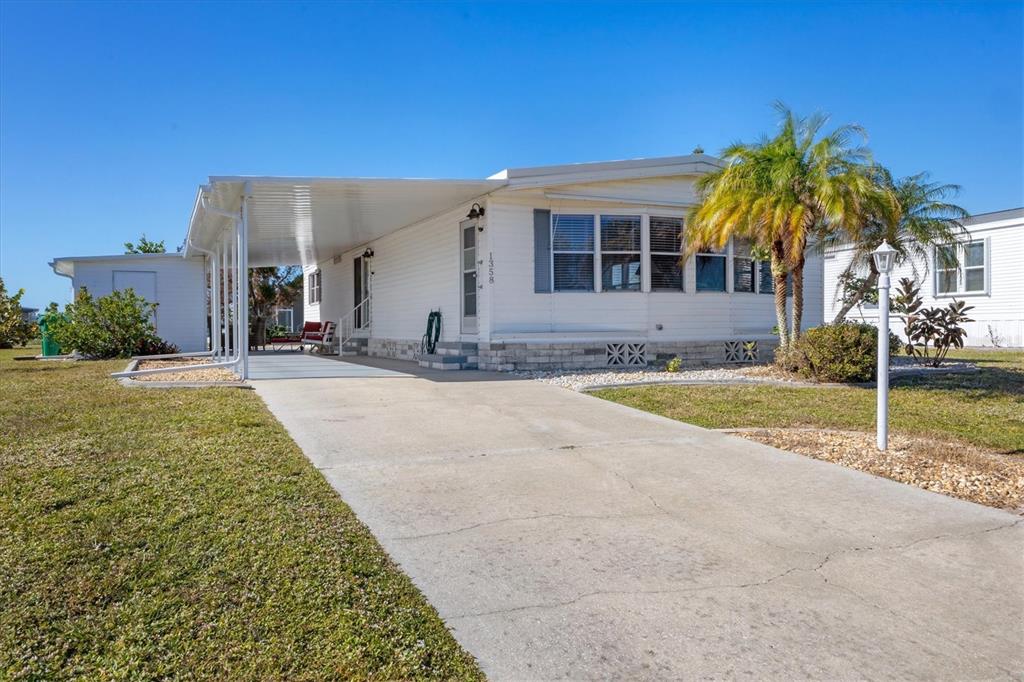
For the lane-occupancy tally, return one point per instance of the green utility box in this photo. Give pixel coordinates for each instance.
(50, 346)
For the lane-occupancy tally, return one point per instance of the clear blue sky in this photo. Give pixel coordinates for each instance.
(112, 114)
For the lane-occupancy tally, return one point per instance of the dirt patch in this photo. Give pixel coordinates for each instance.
(944, 467)
(206, 376)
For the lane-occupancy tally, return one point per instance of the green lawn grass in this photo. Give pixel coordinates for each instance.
(150, 533)
(984, 409)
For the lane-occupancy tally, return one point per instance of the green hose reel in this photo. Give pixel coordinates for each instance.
(429, 343)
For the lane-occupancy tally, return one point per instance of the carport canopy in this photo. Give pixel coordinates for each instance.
(307, 220)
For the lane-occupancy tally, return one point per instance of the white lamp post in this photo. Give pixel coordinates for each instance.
(885, 259)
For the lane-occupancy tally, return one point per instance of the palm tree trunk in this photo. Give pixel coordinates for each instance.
(798, 300)
(779, 277)
(869, 283)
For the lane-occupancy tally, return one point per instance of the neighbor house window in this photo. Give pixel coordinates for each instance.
(620, 253)
(974, 266)
(951, 259)
(711, 269)
(572, 250)
(666, 254)
(314, 287)
(742, 266)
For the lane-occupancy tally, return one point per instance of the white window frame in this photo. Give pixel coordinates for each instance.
(651, 253)
(726, 255)
(595, 253)
(754, 269)
(599, 249)
(961, 270)
(314, 286)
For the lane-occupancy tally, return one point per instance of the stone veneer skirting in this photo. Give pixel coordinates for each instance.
(514, 356)
(399, 349)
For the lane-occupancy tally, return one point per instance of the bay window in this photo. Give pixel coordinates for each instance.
(711, 269)
(765, 280)
(742, 266)
(572, 250)
(620, 253)
(666, 238)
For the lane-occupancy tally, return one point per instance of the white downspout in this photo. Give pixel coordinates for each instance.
(243, 253)
(211, 258)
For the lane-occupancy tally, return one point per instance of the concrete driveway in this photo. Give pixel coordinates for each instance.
(561, 536)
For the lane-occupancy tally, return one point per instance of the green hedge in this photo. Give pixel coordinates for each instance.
(840, 353)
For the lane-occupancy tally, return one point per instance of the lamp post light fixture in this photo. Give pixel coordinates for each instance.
(885, 258)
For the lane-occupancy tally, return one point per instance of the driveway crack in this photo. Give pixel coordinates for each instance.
(510, 519)
(815, 569)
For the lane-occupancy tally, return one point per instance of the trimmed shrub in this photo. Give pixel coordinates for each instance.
(842, 353)
(674, 365)
(118, 325)
(14, 329)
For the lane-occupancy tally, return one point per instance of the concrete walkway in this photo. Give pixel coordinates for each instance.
(561, 536)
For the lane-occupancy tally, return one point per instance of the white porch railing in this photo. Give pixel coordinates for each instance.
(357, 319)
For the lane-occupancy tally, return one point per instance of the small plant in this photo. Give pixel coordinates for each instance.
(994, 337)
(674, 365)
(930, 332)
(842, 353)
(118, 325)
(15, 330)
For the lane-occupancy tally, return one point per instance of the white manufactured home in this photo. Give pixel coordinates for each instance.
(988, 275)
(571, 266)
(176, 284)
(532, 268)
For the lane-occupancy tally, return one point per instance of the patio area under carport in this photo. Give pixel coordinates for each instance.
(294, 365)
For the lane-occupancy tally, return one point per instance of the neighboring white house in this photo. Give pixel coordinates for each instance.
(176, 284)
(989, 276)
(566, 266)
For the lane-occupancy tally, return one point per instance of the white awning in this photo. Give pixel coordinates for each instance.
(307, 220)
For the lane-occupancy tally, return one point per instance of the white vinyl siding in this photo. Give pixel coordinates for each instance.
(652, 314)
(176, 284)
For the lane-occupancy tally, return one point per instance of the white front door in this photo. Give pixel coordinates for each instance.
(467, 244)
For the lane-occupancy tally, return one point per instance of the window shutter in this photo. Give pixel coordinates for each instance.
(541, 251)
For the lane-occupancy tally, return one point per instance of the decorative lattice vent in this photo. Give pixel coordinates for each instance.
(626, 354)
(741, 351)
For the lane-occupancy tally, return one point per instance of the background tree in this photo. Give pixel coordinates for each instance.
(270, 288)
(782, 192)
(15, 330)
(145, 246)
(910, 213)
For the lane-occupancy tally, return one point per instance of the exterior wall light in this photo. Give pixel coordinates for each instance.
(885, 258)
(475, 211)
(368, 253)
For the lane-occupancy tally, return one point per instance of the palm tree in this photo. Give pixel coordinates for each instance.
(270, 287)
(910, 213)
(781, 192)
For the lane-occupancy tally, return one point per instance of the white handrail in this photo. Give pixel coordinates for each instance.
(347, 326)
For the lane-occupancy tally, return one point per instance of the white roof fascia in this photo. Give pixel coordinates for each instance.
(584, 177)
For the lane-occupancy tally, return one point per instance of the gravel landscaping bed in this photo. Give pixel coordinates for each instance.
(581, 380)
(193, 376)
(949, 468)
